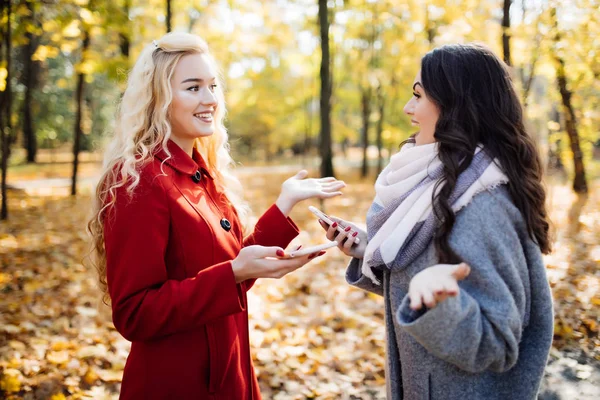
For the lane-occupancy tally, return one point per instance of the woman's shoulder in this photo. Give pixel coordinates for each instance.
(492, 227)
(492, 210)
(145, 180)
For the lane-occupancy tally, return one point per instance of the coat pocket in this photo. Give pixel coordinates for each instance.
(429, 396)
(215, 373)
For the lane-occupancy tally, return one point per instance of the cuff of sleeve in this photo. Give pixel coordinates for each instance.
(354, 275)
(275, 229)
(276, 213)
(425, 321)
(232, 299)
(354, 272)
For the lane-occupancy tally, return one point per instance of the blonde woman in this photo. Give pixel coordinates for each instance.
(171, 253)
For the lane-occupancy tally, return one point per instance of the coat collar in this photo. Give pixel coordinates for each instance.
(182, 162)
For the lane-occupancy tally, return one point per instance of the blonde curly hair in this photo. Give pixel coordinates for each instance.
(143, 125)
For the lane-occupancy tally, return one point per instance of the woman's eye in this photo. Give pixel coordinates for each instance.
(194, 88)
(417, 95)
(213, 87)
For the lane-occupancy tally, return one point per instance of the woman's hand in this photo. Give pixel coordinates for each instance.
(435, 284)
(261, 262)
(297, 188)
(347, 237)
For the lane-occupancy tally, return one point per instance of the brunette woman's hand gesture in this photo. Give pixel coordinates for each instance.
(266, 262)
(435, 284)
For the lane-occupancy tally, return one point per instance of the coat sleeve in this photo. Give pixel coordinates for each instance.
(480, 329)
(272, 229)
(355, 277)
(146, 304)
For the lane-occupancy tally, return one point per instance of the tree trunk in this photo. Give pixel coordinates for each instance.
(579, 181)
(78, 115)
(529, 81)
(381, 105)
(308, 123)
(124, 36)
(169, 16)
(506, 32)
(325, 74)
(30, 77)
(366, 114)
(6, 105)
(430, 27)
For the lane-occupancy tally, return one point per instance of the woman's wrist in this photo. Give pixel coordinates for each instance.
(285, 205)
(237, 271)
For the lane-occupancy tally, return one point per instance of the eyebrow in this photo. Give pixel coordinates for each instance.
(417, 83)
(196, 80)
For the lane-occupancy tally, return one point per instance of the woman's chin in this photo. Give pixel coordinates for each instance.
(205, 132)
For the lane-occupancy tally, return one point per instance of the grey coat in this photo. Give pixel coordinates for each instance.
(489, 342)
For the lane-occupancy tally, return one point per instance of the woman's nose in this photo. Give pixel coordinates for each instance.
(208, 98)
(408, 108)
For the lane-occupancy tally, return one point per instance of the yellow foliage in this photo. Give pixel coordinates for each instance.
(62, 83)
(3, 75)
(87, 67)
(4, 278)
(58, 357)
(10, 381)
(86, 15)
(50, 25)
(68, 47)
(72, 30)
(90, 377)
(44, 52)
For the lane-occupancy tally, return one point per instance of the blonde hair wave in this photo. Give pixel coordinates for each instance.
(143, 126)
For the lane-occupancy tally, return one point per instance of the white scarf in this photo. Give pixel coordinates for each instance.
(401, 223)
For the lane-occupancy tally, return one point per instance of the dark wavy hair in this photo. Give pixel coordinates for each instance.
(478, 104)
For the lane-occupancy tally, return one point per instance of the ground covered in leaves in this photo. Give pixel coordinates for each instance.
(312, 335)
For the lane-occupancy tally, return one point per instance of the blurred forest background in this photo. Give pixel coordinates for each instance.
(310, 84)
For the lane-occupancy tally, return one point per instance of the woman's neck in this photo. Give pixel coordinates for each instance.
(185, 145)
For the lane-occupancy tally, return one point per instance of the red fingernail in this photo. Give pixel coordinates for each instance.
(280, 253)
(354, 234)
(347, 229)
(334, 225)
(321, 253)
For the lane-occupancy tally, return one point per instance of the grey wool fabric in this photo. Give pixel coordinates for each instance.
(489, 342)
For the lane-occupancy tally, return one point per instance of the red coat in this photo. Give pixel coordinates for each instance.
(172, 288)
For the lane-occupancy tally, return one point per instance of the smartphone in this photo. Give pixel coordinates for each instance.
(325, 218)
(313, 249)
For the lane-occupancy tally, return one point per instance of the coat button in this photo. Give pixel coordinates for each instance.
(197, 176)
(225, 224)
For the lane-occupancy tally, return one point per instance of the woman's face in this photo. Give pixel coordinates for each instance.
(194, 100)
(423, 113)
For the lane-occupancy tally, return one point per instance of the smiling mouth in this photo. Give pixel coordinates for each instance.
(206, 117)
(414, 122)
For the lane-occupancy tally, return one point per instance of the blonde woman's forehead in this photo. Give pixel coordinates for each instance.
(194, 66)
